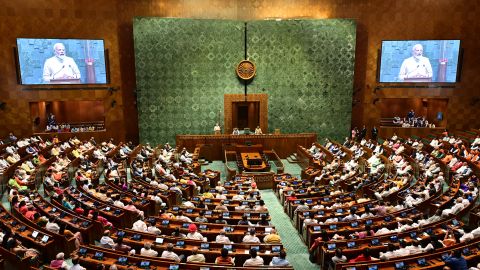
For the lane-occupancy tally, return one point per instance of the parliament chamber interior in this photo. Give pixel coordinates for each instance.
(279, 134)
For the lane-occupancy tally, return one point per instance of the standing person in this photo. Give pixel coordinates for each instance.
(374, 133)
(417, 66)
(456, 261)
(363, 133)
(60, 66)
(217, 129)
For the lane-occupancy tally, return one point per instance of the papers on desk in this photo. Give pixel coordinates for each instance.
(267, 252)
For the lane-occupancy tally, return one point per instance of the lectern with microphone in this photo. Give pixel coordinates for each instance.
(65, 81)
(419, 79)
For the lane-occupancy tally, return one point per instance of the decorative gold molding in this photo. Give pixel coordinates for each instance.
(246, 70)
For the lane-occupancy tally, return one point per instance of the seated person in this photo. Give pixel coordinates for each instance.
(195, 257)
(149, 252)
(59, 262)
(250, 237)
(254, 259)
(224, 259)
(169, 254)
(280, 260)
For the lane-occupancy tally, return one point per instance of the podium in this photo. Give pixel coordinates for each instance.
(65, 81)
(414, 80)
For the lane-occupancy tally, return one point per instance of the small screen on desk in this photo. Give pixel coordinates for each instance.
(399, 265)
(122, 260)
(98, 256)
(422, 262)
(331, 246)
(351, 244)
(145, 264)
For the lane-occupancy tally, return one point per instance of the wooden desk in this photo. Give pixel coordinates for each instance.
(284, 144)
(111, 257)
(253, 162)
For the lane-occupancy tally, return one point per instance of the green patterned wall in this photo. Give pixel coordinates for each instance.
(306, 67)
(184, 66)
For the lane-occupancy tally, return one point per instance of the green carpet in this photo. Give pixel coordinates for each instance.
(297, 252)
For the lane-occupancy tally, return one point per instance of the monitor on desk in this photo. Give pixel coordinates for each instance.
(422, 262)
(98, 256)
(400, 266)
(45, 238)
(145, 264)
(122, 260)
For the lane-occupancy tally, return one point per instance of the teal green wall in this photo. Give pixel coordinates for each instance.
(185, 66)
(306, 67)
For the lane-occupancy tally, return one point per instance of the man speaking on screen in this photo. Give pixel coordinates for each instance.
(60, 66)
(417, 66)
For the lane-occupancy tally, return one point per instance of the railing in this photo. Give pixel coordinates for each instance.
(272, 156)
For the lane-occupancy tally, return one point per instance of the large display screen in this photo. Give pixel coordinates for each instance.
(61, 61)
(413, 61)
